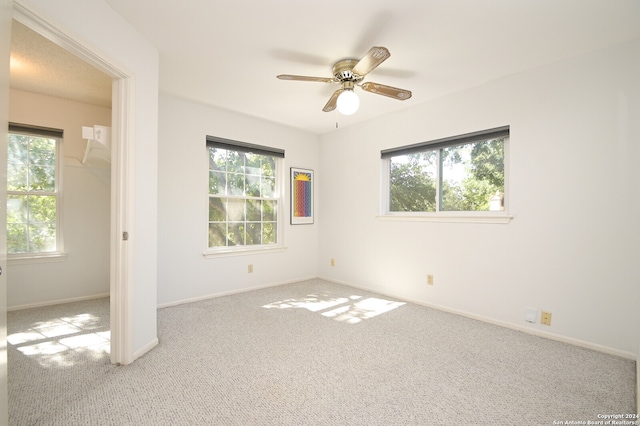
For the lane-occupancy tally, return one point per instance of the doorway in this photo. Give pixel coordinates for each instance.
(58, 216)
(121, 119)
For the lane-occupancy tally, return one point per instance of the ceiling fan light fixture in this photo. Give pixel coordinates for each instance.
(349, 73)
(348, 102)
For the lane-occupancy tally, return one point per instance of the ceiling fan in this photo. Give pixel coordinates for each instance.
(350, 73)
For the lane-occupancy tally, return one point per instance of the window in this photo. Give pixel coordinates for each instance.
(459, 174)
(244, 195)
(33, 191)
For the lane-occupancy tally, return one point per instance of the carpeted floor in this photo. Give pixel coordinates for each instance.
(309, 353)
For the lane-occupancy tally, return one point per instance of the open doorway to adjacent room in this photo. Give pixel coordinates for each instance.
(52, 89)
(67, 86)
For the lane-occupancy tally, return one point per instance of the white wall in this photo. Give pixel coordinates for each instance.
(5, 49)
(183, 272)
(572, 248)
(86, 192)
(94, 24)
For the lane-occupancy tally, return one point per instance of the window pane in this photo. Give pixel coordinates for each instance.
(217, 183)
(254, 233)
(42, 223)
(42, 151)
(253, 186)
(412, 186)
(269, 209)
(471, 175)
(17, 238)
(254, 210)
(42, 208)
(269, 166)
(18, 149)
(17, 209)
(17, 166)
(269, 233)
(236, 233)
(42, 178)
(42, 236)
(31, 223)
(217, 159)
(217, 234)
(16, 177)
(253, 164)
(235, 184)
(235, 210)
(268, 186)
(217, 209)
(235, 162)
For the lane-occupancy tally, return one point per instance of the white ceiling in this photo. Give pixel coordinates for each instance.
(228, 54)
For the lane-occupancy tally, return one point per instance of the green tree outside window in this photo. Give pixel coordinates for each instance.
(459, 178)
(242, 199)
(31, 194)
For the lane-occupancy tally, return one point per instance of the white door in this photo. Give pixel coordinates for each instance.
(6, 12)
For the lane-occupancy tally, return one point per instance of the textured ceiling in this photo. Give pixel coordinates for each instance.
(227, 54)
(40, 66)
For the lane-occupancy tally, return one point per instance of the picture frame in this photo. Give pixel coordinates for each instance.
(301, 196)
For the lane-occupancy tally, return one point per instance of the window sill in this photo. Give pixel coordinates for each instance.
(26, 258)
(447, 218)
(213, 254)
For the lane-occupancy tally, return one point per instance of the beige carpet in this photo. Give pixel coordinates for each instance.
(309, 353)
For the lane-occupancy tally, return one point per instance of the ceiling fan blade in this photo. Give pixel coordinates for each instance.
(331, 105)
(392, 92)
(304, 78)
(374, 57)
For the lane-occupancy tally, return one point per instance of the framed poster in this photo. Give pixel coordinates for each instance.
(301, 196)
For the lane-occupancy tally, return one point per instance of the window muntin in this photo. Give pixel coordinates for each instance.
(452, 175)
(244, 198)
(33, 201)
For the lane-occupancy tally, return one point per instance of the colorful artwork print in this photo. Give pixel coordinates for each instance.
(301, 196)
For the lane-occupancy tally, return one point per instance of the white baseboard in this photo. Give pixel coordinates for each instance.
(230, 292)
(146, 348)
(545, 334)
(552, 336)
(55, 302)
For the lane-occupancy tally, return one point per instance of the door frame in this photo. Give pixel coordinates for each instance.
(122, 119)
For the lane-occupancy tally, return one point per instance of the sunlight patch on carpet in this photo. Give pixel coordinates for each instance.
(312, 302)
(58, 342)
(352, 309)
(365, 309)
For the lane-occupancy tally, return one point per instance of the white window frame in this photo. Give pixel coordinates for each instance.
(502, 216)
(216, 252)
(59, 253)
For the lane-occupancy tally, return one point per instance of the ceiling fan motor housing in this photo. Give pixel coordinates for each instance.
(343, 71)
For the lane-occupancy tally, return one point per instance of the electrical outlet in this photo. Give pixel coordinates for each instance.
(250, 268)
(333, 262)
(429, 279)
(545, 318)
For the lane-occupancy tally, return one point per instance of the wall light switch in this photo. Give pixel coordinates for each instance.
(531, 315)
